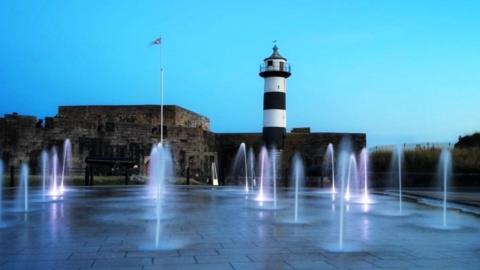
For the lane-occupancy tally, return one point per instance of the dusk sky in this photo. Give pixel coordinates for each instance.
(400, 71)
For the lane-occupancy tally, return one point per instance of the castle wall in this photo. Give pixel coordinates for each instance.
(108, 132)
(136, 114)
(129, 132)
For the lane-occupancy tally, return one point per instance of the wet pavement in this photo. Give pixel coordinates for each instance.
(205, 228)
(459, 196)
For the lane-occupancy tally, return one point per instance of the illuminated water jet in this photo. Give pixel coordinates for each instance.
(298, 175)
(330, 158)
(44, 160)
(364, 167)
(67, 156)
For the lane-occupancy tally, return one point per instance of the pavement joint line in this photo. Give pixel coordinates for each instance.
(250, 258)
(288, 264)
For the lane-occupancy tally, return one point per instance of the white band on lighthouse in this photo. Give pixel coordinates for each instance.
(274, 118)
(275, 84)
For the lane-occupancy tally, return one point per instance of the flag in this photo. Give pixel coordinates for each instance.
(157, 41)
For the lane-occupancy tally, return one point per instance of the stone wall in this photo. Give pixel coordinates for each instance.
(148, 115)
(111, 132)
(311, 147)
(227, 145)
(108, 132)
(20, 136)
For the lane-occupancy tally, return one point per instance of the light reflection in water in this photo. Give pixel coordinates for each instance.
(53, 212)
(365, 229)
(261, 232)
(53, 221)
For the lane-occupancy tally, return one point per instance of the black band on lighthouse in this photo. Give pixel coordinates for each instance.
(273, 136)
(274, 100)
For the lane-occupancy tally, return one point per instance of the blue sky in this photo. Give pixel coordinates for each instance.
(401, 71)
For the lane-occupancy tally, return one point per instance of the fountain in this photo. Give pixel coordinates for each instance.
(44, 160)
(241, 157)
(399, 158)
(264, 162)
(160, 169)
(344, 166)
(345, 169)
(54, 173)
(330, 158)
(298, 175)
(245, 166)
(24, 186)
(352, 173)
(364, 168)
(274, 158)
(67, 156)
(251, 160)
(445, 168)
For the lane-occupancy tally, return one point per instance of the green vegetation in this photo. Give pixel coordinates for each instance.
(465, 160)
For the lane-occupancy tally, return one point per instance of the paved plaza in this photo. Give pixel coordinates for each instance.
(205, 228)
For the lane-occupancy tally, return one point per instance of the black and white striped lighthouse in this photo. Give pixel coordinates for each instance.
(275, 70)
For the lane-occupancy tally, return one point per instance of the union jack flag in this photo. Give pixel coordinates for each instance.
(157, 41)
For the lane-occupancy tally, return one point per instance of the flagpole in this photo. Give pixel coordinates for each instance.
(161, 95)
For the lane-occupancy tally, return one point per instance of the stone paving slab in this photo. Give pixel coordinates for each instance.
(222, 259)
(116, 268)
(217, 266)
(310, 265)
(122, 262)
(207, 251)
(278, 265)
(51, 264)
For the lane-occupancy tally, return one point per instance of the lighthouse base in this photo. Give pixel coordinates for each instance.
(274, 136)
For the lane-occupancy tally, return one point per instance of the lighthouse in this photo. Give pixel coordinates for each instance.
(275, 70)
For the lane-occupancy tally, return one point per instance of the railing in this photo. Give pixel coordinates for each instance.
(285, 67)
(414, 146)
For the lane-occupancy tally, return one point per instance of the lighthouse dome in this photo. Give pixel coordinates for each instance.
(275, 54)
